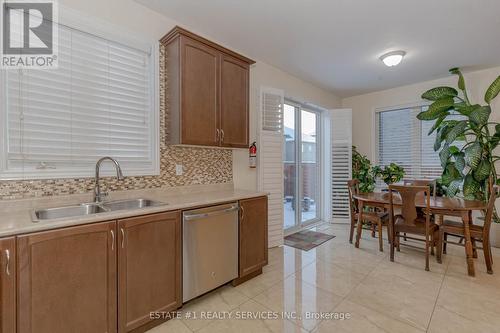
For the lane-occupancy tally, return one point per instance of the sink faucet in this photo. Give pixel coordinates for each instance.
(98, 196)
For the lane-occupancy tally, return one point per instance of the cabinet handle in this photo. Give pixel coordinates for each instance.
(112, 240)
(221, 135)
(217, 135)
(7, 266)
(123, 237)
(242, 213)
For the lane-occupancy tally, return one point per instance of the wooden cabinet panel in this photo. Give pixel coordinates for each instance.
(8, 285)
(253, 235)
(67, 280)
(234, 117)
(149, 268)
(199, 102)
(206, 92)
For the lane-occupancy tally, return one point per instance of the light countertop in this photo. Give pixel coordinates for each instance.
(15, 215)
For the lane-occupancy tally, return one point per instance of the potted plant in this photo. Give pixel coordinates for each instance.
(466, 144)
(390, 174)
(362, 171)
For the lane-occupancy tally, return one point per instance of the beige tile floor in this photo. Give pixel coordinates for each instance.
(336, 278)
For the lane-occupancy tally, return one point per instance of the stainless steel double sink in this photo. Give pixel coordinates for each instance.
(91, 208)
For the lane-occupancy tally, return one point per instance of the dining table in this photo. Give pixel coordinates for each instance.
(438, 206)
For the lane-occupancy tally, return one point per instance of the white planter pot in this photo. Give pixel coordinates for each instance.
(495, 234)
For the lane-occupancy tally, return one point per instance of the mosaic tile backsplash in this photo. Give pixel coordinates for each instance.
(200, 166)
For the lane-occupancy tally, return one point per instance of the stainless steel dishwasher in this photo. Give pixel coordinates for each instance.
(210, 248)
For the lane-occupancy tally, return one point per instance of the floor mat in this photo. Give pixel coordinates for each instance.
(306, 239)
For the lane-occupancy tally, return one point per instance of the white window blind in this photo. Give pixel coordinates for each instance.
(341, 162)
(97, 103)
(270, 164)
(404, 140)
(272, 111)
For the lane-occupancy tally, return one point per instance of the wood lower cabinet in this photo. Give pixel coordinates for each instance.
(206, 91)
(8, 285)
(108, 277)
(253, 235)
(67, 280)
(149, 268)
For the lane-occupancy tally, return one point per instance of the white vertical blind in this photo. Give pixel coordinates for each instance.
(341, 162)
(96, 103)
(270, 166)
(404, 140)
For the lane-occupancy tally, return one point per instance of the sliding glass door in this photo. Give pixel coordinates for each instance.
(301, 167)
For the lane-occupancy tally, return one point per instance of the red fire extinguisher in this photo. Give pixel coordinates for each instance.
(252, 153)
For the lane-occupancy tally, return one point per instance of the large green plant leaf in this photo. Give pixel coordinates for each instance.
(439, 92)
(437, 109)
(453, 150)
(460, 163)
(450, 174)
(471, 187)
(454, 187)
(444, 155)
(473, 155)
(437, 123)
(456, 131)
(442, 132)
(492, 91)
(461, 81)
(495, 138)
(465, 109)
(480, 115)
(482, 171)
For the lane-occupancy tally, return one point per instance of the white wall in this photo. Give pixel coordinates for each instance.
(142, 21)
(363, 106)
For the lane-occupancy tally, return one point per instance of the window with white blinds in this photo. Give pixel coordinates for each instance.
(98, 102)
(403, 139)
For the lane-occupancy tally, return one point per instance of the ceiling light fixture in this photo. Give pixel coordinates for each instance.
(393, 58)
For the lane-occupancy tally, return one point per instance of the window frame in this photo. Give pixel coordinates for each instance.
(375, 128)
(113, 33)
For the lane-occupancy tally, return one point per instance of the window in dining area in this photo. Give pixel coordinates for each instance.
(403, 139)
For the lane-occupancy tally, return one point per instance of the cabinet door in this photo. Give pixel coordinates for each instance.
(67, 280)
(8, 285)
(253, 235)
(149, 266)
(234, 102)
(199, 100)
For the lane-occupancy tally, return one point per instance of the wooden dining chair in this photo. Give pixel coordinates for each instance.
(479, 233)
(422, 182)
(375, 219)
(410, 222)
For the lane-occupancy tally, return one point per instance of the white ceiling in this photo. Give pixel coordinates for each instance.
(336, 44)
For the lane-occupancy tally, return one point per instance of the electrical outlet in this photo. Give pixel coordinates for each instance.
(179, 169)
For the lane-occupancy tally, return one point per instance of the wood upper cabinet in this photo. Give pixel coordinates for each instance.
(149, 268)
(67, 280)
(253, 235)
(8, 285)
(199, 100)
(234, 116)
(206, 92)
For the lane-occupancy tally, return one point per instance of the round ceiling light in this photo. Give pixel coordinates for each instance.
(393, 58)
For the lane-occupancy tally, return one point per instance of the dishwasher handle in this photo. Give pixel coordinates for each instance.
(190, 217)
